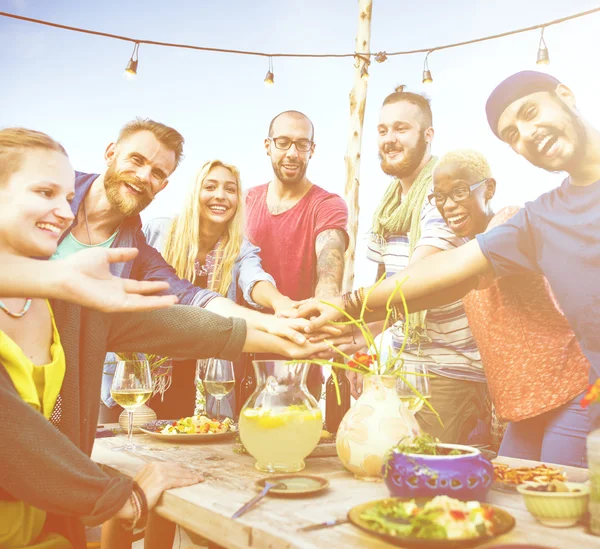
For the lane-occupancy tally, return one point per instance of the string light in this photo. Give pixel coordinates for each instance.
(427, 78)
(132, 65)
(270, 78)
(543, 58)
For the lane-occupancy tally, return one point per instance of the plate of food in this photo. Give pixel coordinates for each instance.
(190, 429)
(437, 523)
(506, 478)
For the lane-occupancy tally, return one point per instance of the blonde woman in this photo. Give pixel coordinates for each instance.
(205, 244)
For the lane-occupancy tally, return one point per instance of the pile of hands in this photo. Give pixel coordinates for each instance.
(310, 322)
(85, 278)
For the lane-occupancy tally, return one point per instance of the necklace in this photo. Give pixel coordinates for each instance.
(87, 227)
(17, 315)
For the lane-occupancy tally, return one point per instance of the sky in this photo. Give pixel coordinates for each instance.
(72, 86)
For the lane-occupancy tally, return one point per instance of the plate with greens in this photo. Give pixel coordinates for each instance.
(438, 523)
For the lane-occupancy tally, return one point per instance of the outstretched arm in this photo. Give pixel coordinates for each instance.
(453, 271)
(83, 278)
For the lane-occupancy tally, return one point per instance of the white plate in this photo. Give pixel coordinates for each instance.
(153, 429)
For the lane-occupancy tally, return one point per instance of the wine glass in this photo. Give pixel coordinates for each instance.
(131, 387)
(413, 376)
(219, 380)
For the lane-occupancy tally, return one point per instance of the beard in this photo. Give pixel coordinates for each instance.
(278, 169)
(580, 144)
(130, 204)
(409, 163)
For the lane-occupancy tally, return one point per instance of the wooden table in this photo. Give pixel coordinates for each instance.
(206, 508)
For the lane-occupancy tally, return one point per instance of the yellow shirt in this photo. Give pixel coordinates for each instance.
(21, 524)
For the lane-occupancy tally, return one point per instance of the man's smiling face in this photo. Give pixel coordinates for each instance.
(544, 128)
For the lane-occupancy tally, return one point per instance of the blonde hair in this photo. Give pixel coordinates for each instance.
(470, 160)
(183, 240)
(16, 142)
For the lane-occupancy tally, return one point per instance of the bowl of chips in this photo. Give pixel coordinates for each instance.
(556, 503)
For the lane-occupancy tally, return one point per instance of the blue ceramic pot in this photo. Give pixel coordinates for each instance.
(467, 476)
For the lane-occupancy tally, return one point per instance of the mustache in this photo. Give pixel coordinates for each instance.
(144, 187)
(392, 148)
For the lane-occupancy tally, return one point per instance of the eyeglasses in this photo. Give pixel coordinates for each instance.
(459, 194)
(283, 144)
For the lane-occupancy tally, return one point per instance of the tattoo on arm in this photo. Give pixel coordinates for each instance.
(329, 248)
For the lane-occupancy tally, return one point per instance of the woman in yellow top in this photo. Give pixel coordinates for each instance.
(51, 358)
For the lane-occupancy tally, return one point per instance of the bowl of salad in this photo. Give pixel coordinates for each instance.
(438, 523)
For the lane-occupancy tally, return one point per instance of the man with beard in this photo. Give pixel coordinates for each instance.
(107, 208)
(299, 227)
(556, 235)
(406, 229)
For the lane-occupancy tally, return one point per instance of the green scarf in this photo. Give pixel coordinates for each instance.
(395, 215)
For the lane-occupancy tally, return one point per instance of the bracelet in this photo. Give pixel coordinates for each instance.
(396, 313)
(143, 502)
(361, 293)
(137, 512)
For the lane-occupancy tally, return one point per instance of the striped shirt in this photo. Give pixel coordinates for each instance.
(452, 351)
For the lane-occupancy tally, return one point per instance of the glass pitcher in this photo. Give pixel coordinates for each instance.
(281, 422)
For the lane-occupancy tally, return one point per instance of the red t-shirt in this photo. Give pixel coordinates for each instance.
(287, 240)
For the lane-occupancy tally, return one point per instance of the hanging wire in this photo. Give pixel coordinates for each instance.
(314, 55)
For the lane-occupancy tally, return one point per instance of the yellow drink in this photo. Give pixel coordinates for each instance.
(219, 388)
(131, 398)
(280, 439)
(413, 404)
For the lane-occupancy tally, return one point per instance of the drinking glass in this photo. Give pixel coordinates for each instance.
(219, 380)
(131, 387)
(413, 376)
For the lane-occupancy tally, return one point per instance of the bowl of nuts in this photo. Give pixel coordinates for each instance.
(556, 503)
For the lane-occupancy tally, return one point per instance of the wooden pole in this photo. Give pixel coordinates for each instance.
(358, 97)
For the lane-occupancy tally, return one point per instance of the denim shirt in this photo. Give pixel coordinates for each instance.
(148, 264)
(247, 269)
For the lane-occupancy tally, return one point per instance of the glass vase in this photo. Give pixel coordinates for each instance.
(281, 423)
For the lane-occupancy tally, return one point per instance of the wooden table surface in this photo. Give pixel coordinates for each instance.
(206, 508)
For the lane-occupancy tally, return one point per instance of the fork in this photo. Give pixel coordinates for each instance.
(247, 506)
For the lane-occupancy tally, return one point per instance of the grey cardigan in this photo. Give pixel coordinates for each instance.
(47, 464)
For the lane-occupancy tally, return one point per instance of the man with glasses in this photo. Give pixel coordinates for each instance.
(299, 227)
(406, 229)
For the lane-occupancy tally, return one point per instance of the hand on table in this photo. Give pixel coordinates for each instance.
(155, 478)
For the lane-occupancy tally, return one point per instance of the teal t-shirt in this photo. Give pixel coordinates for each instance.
(70, 245)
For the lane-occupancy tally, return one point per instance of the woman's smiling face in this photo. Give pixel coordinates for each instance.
(35, 203)
(219, 196)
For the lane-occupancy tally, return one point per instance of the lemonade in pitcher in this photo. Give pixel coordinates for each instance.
(281, 422)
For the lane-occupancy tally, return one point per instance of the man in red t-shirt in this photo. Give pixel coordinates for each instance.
(299, 227)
